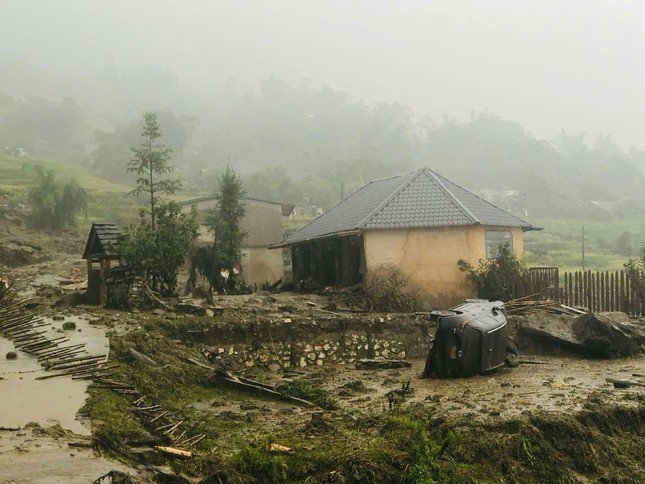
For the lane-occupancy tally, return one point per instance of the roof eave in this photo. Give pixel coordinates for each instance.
(286, 243)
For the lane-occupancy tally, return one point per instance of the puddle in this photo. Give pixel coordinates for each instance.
(24, 399)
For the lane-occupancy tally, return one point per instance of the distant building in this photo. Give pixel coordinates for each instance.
(263, 223)
(419, 222)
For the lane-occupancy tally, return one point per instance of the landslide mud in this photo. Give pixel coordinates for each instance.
(55, 400)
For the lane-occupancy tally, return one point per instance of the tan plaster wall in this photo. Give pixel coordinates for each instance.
(260, 264)
(429, 257)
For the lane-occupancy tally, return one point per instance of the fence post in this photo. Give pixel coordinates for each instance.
(621, 292)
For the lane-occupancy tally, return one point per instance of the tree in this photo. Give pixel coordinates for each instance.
(55, 203)
(225, 223)
(158, 253)
(624, 244)
(151, 160)
(157, 247)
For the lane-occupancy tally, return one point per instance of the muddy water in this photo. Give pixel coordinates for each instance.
(24, 399)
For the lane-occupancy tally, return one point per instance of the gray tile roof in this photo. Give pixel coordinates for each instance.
(101, 241)
(421, 198)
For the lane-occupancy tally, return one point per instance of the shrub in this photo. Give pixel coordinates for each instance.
(496, 278)
(55, 203)
(389, 289)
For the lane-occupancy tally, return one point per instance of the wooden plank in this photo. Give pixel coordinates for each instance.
(621, 292)
(612, 293)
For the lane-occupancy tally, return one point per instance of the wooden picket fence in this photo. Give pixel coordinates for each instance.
(604, 291)
(592, 290)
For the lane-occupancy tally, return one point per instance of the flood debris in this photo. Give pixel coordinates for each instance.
(240, 383)
(173, 452)
(624, 383)
(381, 364)
(594, 335)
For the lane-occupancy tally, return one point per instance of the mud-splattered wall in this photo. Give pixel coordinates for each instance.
(313, 342)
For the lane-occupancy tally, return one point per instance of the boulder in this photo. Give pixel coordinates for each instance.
(609, 335)
(594, 335)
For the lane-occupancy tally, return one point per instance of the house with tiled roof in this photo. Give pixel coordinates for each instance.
(419, 222)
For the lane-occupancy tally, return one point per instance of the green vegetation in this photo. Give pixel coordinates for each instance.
(55, 203)
(158, 253)
(150, 161)
(413, 444)
(106, 201)
(315, 394)
(114, 422)
(224, 222)
(560, 243)
(157, 246)
(388, 289)
(495, 278)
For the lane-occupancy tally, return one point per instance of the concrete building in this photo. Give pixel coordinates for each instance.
(419, 222)
(263, 224)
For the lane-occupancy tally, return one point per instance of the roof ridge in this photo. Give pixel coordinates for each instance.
(452, 196)
(413, 175)
(483, 199)
(336, 205)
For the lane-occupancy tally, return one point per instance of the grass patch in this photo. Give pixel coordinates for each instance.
(313, 393)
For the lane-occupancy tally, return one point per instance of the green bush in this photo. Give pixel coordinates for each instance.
(261, 464)
(496, 278)
(55, 203)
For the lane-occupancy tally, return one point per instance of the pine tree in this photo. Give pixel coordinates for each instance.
(225, 223)
(150, 160)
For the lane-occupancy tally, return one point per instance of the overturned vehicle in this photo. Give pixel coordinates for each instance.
(470, 339)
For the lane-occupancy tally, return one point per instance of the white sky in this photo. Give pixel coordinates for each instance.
(577, 65)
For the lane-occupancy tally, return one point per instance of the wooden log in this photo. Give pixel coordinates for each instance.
(371, 364)
(53, 364)
(624, 383)
(171, 451)
(231, 380)
(173, 428)
(165, 412)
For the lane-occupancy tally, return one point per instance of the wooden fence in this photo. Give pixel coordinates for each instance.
(594, 291)
(604, 291)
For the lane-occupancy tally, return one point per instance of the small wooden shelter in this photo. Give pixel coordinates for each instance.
(100, 252)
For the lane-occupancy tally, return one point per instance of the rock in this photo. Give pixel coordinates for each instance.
(69, 325)
(356, 386)
(12, 355)
(159, 312)
(116, 477)
(607, 336)
(141, 438)
(209, 313)
(147, 456)
(58, 317)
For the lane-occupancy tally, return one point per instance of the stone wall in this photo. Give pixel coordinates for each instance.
(300, 343)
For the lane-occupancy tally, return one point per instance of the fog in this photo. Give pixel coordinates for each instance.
(574, 65)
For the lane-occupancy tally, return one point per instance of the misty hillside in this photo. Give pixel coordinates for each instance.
(293, 138)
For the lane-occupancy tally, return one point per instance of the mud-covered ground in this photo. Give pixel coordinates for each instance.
(556, 419)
